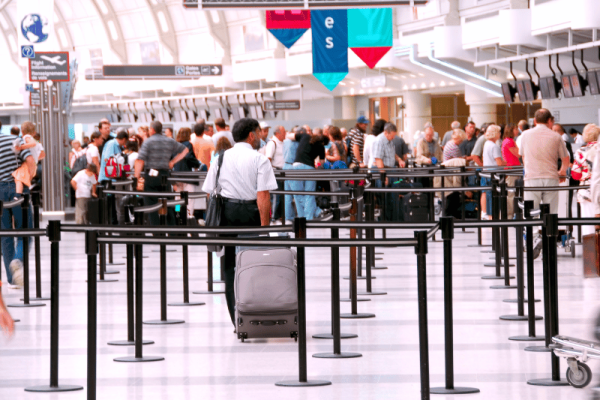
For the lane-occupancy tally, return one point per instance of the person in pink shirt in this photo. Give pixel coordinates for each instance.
(510, 155)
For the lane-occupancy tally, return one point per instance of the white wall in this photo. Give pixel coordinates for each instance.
(582, 110)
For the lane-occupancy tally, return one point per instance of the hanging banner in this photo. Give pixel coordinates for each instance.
(288, 26)
(370, 33)
(330, 46)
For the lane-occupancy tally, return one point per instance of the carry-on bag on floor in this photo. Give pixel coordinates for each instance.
(398, 199)
(416, 207)
(266, 294)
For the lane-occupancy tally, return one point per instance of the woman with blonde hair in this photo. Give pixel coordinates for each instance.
(583, 165)
(451, 149)
(492, 157)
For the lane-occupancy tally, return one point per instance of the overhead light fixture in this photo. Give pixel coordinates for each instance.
(423, 86)
(361, 91)
(405, 87)
(442, 83)
(413, 76)
(403, 76)
(342, 83)
(352, 91)
(420, 74)
(451, 84)
(432, 84)
(414, 86)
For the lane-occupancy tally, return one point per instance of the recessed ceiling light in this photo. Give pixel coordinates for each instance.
(342, 83)
(413, 76)
(420, 74)
(414, 86)
(361, 91)
(423, 86)
(380, 90)
(403, 76)
(451, 83)
(405, 87)
(388, 89)
(442, 83)
(352, 91)
(520, 75)
(432, 84)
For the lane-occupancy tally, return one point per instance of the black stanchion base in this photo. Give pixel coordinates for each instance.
(128, 342)
(302, 384)
(360, 278)
(330, 336)
(510, 258)
(113, 264)
(479, 245)
(465, 232)
(350, 300)
(49, 389)
(493, 265)
(456, 390)
(516, 301)
(379, 268)
(167, 251)
(37, 299)
(333, 355)
(217, 281)
(547, 382)
(371, 293)
(106, 280)
(496, 277)
(142, 257)
(213, 292)
(23, 305)
(379, 254)
(378, 259)
(188, 304)
(140, 359)
(357, 316)
(110, 272)
(503, 287)
(527, 338)
(161, 322)
(538, 349)
(518, 318)
(488, 251)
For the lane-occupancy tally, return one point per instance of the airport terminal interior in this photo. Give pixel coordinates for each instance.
(440, 237)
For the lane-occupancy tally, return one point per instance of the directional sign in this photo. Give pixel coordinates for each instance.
(160, 71)
(29, 87)
(49, 66)
(373, 82)
(281, 105)
(289, 4)
(27, 52)
(35, 99)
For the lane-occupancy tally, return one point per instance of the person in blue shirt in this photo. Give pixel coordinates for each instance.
(289, 155)
(112, 148)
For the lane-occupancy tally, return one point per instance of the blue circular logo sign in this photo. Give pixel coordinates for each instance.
(35, 28)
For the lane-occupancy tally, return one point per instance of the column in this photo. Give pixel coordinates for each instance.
(482, 113)
(349, 107)
(416, 113)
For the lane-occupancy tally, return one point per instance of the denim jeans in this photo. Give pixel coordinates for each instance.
(290, 214)
(276, 200)
(488, 195)
(306, 205)
(9, 251)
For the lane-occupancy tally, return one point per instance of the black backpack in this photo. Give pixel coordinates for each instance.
(79, 165)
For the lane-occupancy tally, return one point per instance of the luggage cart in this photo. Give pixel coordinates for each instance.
(577, 352)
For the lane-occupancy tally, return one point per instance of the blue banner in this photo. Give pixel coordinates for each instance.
(330, 46)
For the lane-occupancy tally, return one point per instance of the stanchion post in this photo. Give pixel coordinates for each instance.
(447, 229)
(336, 334)
(53, 232)
(282, 200)
(300, 233)
(91, 249)
(35, 200)
(421, 252)
(551, 235)
(162, 215)
(503, 237)
(370, 250)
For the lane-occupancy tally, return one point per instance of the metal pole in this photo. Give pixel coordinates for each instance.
(35, 199)
(91, 249)
(300, 233)
(370, 250)
(447, 229)
(421, 252)
(54, 236)
(502, 199)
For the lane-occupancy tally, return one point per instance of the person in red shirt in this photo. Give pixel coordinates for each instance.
(510, 155)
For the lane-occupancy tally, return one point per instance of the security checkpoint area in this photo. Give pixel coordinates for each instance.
(353, 199)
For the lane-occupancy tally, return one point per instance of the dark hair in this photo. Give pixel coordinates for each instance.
(220, 122)
(335, 133)
(542, 116)
(184, 135)
(157, 126)
(199, 129)
(561, 127)
(470, 123)
(92, 168)
(15, 131)
(122, 134)
(222, 144)
(573, 131)
(378, 126)
(94, 136)
(509, 131)
(390, 127)
(102, 123)
(242, 128)
(132, 145)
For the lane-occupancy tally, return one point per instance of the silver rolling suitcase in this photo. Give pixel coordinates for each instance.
(266, 294)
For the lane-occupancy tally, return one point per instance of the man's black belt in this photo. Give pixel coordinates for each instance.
(228, 200)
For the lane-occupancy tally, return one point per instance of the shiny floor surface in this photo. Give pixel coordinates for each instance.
(205, 360)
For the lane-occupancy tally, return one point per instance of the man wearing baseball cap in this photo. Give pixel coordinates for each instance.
(357, 141)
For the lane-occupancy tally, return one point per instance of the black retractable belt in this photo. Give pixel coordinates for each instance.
(54, 236)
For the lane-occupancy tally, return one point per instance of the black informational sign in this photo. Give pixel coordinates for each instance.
(281, 105)
(160, 71)
(35, 99)
(287, 4)
(49, 66)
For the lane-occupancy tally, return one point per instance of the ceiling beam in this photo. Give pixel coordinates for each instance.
(167, 38)
(110, 20)
(62, 24)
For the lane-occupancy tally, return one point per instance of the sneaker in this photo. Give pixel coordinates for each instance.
(201, 222)
(537, 247)
(16, 267)
(11, 286)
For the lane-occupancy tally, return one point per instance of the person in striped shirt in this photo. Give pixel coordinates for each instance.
(12, 251)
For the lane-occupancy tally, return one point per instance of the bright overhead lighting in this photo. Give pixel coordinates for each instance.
(403, 76)
(361, 91)
(432, 84)
(414, 86)
(420, 74)
(102, 6)
(215, 16)
(413, 76)
(352, 91)
(442, 83)
(342, 83)
(388, 89)
(163, 22)
(520, 76)
(394, 77)
(380, 90)
(113, 30)
(451, 83)
(423, 86)
(405, 87)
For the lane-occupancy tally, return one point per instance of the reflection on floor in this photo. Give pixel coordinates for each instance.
(204, 359)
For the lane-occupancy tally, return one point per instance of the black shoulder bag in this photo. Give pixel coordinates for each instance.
(214, 208)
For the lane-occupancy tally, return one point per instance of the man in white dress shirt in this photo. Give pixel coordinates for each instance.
(246, 179)
(274, 152)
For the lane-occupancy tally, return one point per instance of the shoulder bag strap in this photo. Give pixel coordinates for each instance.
(220, 163)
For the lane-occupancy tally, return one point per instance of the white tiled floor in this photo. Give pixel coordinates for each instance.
(203, 358)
